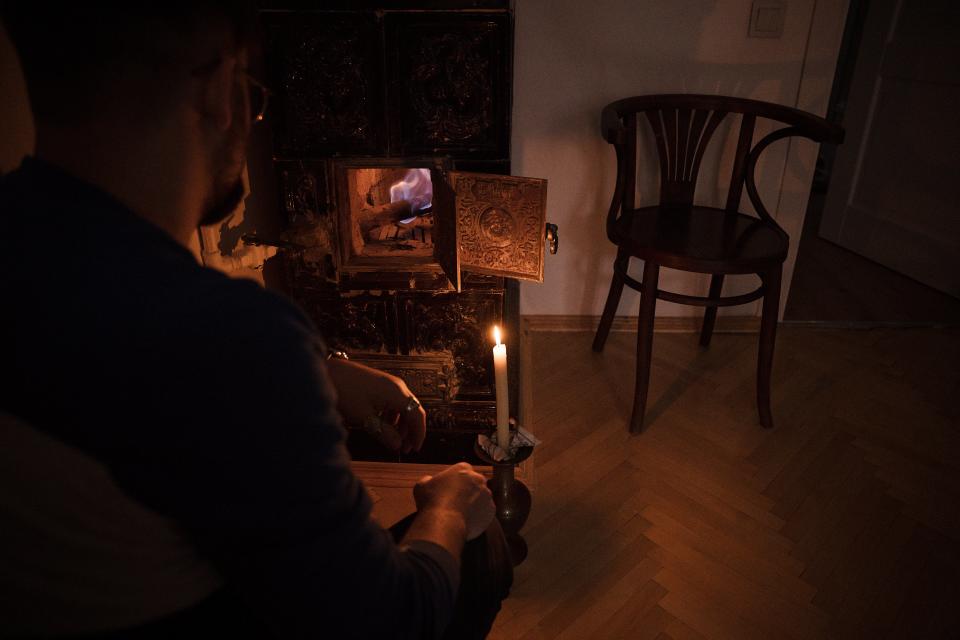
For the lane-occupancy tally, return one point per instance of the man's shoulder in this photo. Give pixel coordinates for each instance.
(241, 309)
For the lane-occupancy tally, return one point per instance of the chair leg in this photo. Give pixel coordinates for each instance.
(710, 315)
(613, 300)
(768, 336)
(648, 305)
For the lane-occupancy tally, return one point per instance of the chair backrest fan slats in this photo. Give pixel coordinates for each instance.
(716, 117)
(681, 136)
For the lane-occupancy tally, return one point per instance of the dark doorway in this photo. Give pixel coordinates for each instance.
(832, 283)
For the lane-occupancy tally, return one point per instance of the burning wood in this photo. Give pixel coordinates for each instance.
(385, 214)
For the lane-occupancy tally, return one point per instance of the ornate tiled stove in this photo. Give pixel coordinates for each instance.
(404, 232)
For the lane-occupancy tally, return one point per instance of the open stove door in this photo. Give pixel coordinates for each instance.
(445, 251)
(500, 224)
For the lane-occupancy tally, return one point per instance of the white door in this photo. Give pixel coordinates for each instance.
(895, 190)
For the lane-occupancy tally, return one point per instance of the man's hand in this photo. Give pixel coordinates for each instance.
(364, 393)
(458, 489)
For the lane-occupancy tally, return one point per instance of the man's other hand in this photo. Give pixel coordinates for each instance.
(364, 393)
(459, 489)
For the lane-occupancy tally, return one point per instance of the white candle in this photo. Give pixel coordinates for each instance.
(503, 394)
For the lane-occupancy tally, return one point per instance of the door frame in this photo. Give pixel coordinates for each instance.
(813, 94)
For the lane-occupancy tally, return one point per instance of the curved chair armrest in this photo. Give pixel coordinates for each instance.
(613, 131)
(617, 199)
(821, 131)
(611, 127)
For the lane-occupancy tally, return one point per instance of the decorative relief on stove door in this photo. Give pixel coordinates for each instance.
(326, 73)
(500, 224)
(458, 324)
(446, 79)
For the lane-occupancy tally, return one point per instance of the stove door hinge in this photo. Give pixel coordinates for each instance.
(552, 237)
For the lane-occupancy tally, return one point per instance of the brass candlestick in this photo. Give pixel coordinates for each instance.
(511, 497)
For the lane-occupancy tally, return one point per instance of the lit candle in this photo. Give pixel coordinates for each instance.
(503, 395)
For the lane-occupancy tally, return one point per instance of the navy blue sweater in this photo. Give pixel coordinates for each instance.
(208, 400)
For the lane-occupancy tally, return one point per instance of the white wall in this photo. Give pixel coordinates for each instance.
(573, 57)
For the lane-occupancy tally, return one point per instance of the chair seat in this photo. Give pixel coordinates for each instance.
(703, 239)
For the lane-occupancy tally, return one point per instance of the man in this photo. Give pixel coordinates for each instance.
(173, 460)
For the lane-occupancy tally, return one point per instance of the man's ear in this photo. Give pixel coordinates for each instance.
(216, 94)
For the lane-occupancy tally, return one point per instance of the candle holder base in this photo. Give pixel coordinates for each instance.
(511, 497)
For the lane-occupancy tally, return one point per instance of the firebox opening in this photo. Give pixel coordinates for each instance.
(391, 211)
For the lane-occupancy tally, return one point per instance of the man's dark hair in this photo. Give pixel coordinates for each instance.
(79, 57)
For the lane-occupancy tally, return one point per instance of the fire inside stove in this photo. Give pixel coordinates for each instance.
(391, 210)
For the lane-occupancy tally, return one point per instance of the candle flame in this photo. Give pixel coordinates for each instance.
(496, 334)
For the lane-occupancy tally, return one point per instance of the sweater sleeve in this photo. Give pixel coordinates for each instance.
(260, 476)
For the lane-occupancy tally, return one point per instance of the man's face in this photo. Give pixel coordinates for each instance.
(229, 159)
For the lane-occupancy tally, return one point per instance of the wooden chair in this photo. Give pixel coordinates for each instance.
(680, 235)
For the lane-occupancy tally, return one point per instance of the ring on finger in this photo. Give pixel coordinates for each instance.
(412, 404)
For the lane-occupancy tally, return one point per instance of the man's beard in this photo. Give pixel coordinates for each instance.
(229, 188)
(225, 204)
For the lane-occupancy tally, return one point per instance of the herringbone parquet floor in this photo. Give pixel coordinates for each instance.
(841, 522)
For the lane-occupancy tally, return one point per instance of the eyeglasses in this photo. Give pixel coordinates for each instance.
(259, 96)
(258, 92)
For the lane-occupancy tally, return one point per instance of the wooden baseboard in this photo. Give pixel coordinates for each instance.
(685, 324)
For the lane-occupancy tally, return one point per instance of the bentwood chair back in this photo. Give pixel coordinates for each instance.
(680, 235)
